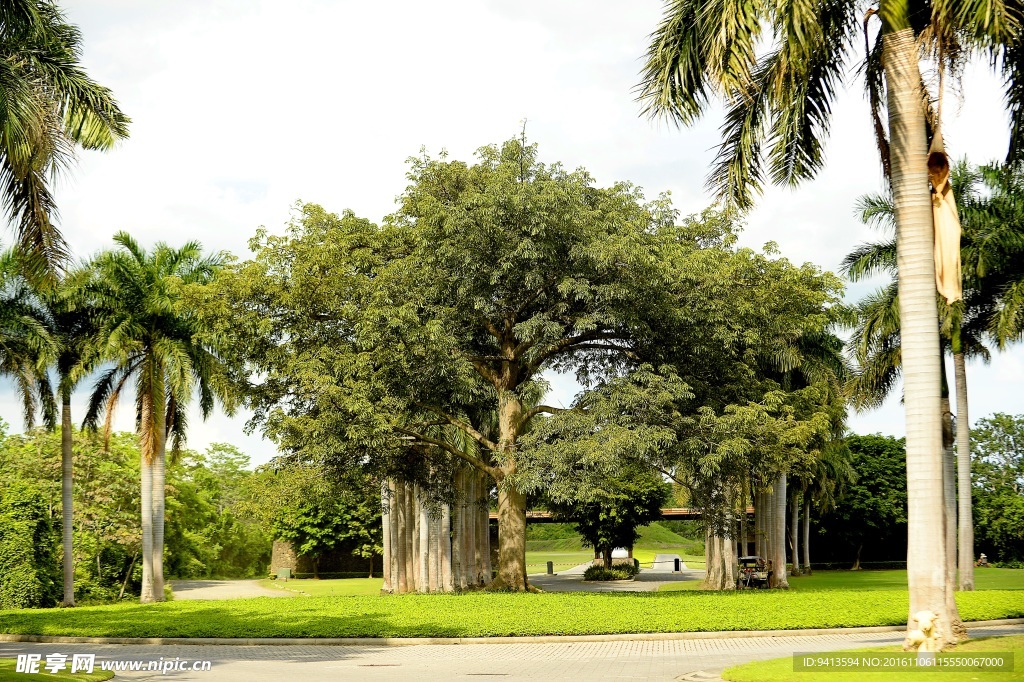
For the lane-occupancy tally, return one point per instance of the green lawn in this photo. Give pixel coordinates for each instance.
(536, 561)
(8, 665)
(781, 669)
(560, 543)
(489, 614)
(347, 587)
(984, 579)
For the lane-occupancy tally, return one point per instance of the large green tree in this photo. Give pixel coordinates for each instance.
(315, 511)
(870, 512)
(151, 336)
(398, 341)
(49, 106)
(998, 449)
(778, 66)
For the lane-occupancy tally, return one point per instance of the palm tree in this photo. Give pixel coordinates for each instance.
(777, 66)
(26, 345)
(72, 324)
(152, 338)
(49, 106)
(992, 243)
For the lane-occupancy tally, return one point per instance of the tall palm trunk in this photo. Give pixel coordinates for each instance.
(949, 488)
(807, 534)
(918, 318)
(963, 466)
(159, 487)
(146, 495)
(794, 530)
(778, 548)
(66, 489)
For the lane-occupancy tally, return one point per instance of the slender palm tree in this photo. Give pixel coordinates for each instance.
(993, 241)
(71, 320)
(150, 336)
(777, 66)
(49, 105)
(26, 345)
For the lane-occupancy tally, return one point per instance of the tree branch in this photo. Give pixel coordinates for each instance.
(534, 411)
(489, 470)
(470, 431)
(569, 342)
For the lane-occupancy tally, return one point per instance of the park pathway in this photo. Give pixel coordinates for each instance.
(648, 580)
(639, 659)
(223, 589)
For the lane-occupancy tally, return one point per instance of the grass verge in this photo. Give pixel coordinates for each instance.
(781, 669)
(984, 579)
(483, 614)
(8, 665)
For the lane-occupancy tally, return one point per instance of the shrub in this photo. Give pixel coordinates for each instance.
(619, 572)
(29, 571)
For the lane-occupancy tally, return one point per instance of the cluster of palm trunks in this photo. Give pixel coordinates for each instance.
(430, 547)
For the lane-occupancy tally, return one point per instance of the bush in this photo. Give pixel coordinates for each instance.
(29, 572)
(619, 572)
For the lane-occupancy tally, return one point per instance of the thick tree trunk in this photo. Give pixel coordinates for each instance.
(759, 515)
(66, 495)
(807, 534)
(918, 319)
(794, 530)
(856, 559)
(606, 555)
(720, 560)
(963, 466)
(779, 534)
(511, 538)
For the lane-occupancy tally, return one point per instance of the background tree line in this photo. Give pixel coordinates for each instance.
(209, 531)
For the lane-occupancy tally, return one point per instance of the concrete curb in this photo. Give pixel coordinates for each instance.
(413, 641)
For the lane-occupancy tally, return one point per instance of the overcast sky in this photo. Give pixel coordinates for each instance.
(242, 107)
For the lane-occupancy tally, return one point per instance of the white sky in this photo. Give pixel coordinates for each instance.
(242, 107)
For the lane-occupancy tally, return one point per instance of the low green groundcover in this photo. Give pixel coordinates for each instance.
(781, 669)
(496, 614)
(7, 674)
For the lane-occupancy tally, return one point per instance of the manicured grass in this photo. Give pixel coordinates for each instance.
(536, 562)
(8, 665)
(347, 587)
(646, 556)
(984, 579)
(781, 669)
(494, 614)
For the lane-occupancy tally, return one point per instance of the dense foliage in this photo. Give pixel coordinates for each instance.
(317, 514)
(205, 534)
(610, 517)
(869, 521)
(997, 446)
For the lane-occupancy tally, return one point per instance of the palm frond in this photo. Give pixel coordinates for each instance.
(673, 84)
(867, 260)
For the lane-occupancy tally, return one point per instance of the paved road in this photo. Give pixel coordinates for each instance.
(700, 659)
(648, 580)
(223, 589)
